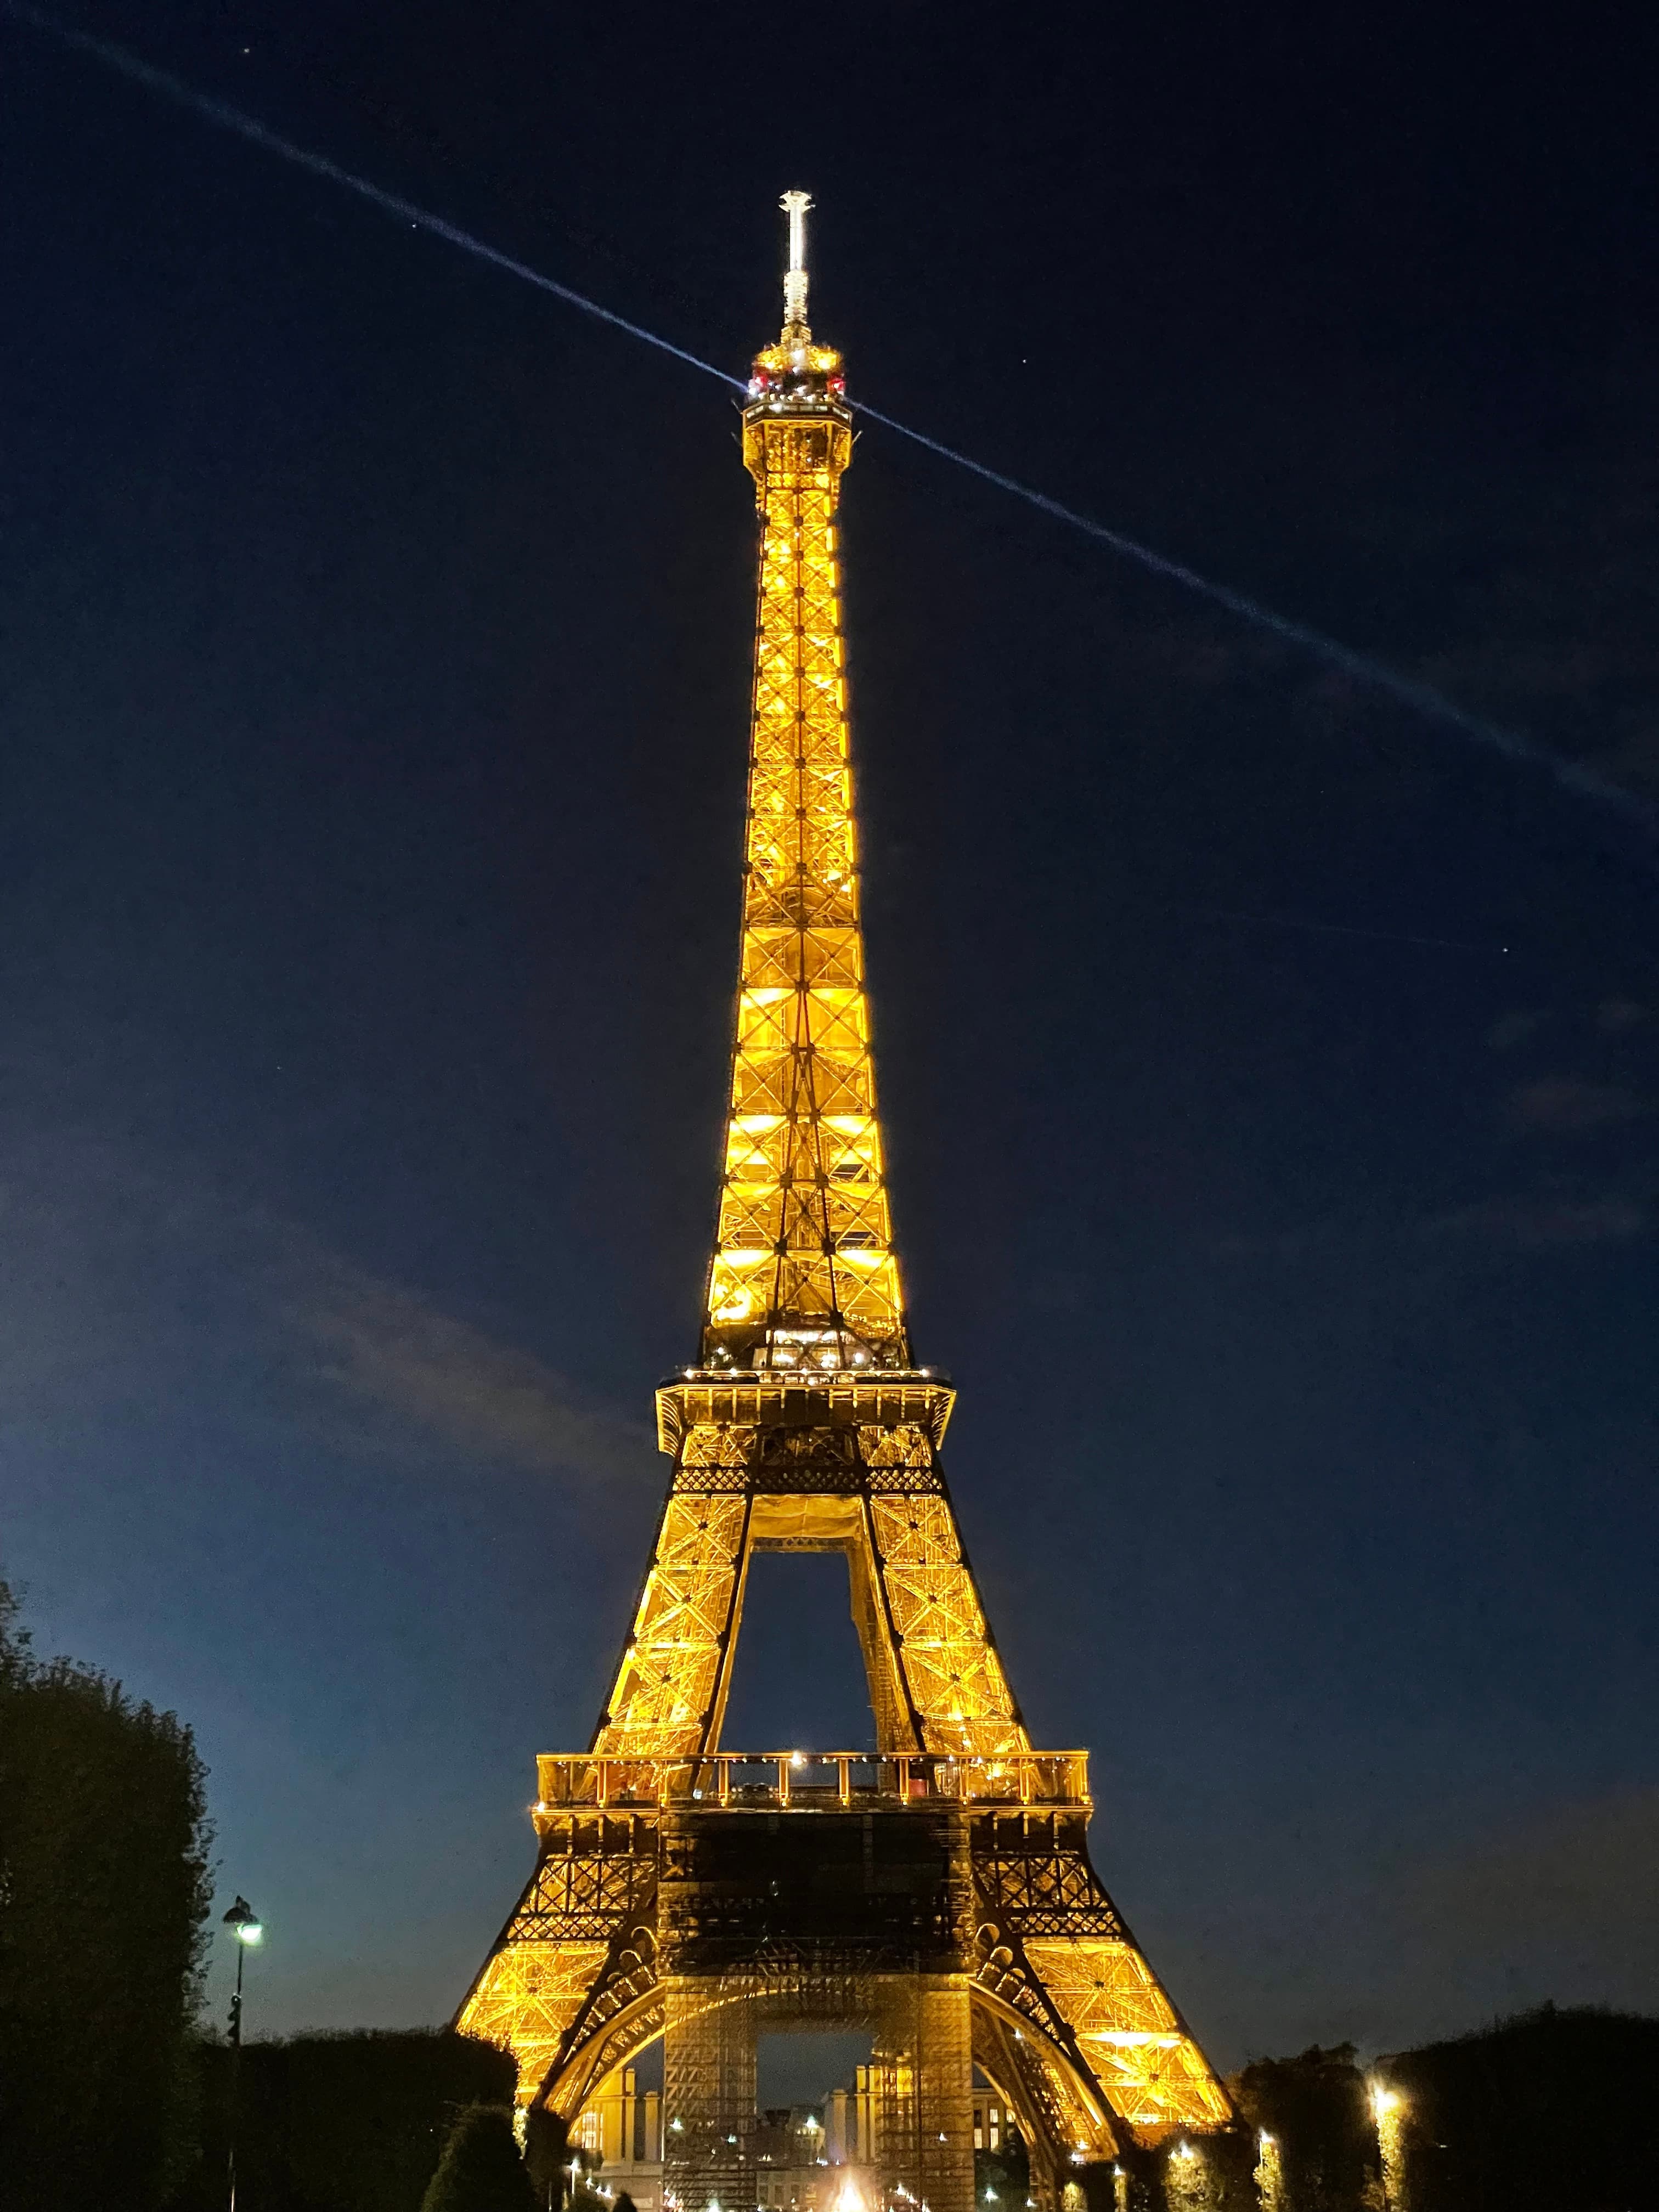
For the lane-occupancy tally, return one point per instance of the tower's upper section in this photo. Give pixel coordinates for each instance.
(804, 1274)
(796, 383)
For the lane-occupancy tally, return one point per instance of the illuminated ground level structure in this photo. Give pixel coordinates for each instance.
(941, 1900)
(620, 2133)
(936, 1893)
(820, 2158)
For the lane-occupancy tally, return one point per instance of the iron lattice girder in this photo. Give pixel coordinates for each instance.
(850, 1464)
(853, 1467)
(1034, 1876)
(1037, 2079)
(945, 1887)
(701, 1895)
(597, 1876)
(803, 1269)
(929, 1885)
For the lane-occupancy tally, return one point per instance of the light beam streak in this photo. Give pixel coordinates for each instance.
(228, 118)
(1422, 698)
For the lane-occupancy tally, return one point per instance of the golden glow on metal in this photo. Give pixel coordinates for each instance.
(526, 1997)
(1151, 2069)
(795, 205)
(937, 1683)
(806, 1428)
(804, 1273)
(809, 1781)
(670, 1667)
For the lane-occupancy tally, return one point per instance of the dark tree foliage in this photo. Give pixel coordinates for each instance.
(349, 2123)
(1316, 2108)
(1556, 2109)
(103, 1895)
(481, 2170)
(1227, 2183)
(545, 2152)
(1153, 2179)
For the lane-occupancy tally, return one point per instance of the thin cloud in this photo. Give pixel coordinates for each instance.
(132, 1282)
(391, 1350)
(1531, 1222)
(1565, 1105)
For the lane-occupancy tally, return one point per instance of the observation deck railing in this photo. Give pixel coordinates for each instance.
(811, 1781)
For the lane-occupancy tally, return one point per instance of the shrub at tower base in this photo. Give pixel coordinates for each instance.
(104, 1890)
(346, 2123)
(481, 2171)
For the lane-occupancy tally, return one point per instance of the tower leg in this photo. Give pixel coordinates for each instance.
(923, 2074)
(944, 2075)
(708, 2101)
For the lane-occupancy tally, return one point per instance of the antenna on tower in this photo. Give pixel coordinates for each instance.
(795, 205)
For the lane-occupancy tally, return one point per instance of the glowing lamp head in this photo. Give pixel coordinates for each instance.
(244, 1923)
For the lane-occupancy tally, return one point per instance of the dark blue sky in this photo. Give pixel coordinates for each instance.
(374, 658)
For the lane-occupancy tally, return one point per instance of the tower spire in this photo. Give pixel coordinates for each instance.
(795, 205)
(804, 1274)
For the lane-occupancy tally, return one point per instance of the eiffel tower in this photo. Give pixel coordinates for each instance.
(938, 1893)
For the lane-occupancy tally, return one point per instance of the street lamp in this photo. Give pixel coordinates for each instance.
(244, 1925)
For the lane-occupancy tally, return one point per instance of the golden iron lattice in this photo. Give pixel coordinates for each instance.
(939, 1890)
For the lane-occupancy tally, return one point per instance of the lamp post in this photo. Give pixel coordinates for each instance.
(244, 1924)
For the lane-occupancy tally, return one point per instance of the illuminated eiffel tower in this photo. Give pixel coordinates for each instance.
(937, 1893)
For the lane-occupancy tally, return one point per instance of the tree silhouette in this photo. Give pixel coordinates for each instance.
(481, 2170)
(104, 1892)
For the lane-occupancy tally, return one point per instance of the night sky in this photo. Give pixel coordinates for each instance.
(1271, 1075)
